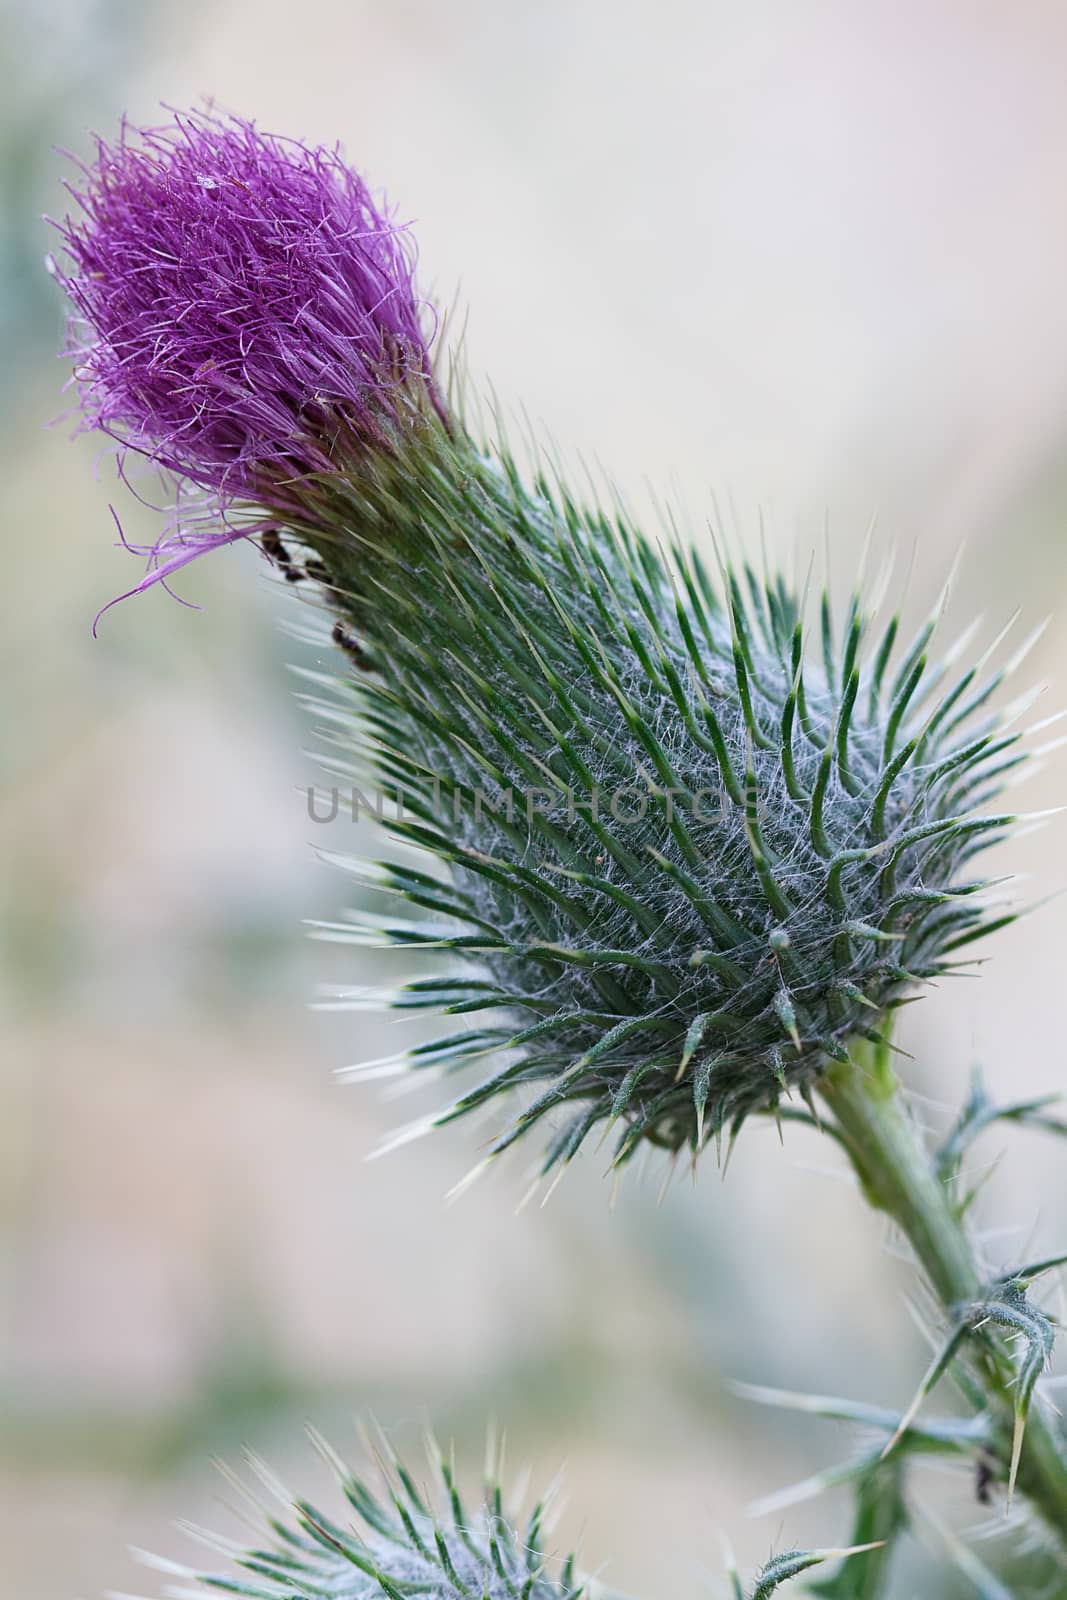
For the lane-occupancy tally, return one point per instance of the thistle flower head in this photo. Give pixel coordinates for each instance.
(245, 312)
(695, 853)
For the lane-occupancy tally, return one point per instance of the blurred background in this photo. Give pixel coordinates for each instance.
(806, 258)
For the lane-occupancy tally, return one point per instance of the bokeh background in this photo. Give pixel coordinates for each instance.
(805, 258)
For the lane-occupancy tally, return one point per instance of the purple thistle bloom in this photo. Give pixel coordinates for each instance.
(246, 317)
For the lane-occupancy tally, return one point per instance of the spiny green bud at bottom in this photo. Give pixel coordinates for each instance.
(401, 1543)
(407, 1541)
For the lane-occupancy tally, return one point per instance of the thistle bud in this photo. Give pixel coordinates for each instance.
(688, 858)
(398, 1543)
(410, 1543)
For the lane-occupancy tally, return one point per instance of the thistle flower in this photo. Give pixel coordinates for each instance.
(686, 852)
(688, 865)
(245, 316)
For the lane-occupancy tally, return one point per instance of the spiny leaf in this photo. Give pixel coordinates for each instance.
(793, 1562)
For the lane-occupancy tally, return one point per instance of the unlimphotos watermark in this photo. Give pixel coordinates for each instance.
(625, 806)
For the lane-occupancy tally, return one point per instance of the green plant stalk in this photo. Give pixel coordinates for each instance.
(898, 1177)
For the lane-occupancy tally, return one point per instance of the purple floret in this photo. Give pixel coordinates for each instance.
(246, 315)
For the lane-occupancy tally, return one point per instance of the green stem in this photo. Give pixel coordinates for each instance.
(898, 1177)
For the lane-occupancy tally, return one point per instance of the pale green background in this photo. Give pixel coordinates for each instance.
(812, 256)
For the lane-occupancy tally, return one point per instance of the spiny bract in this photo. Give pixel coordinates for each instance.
(400, 1544)
(688, 864)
